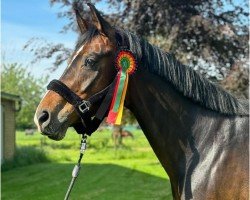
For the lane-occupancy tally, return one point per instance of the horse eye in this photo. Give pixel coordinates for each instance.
(89, 62)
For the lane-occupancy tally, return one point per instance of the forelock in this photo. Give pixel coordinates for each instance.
(86, 37)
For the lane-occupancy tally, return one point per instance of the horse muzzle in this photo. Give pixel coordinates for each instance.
(53, 116)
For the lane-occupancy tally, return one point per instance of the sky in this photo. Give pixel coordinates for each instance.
(22, 20)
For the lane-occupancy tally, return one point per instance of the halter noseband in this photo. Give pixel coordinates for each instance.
(88, 124)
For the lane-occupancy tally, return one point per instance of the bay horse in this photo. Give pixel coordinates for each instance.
(118, 133)
(198, 131)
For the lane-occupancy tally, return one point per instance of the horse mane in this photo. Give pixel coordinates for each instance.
(184, 79)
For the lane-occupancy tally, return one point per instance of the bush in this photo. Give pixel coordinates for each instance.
(25, 156)
(17, 79)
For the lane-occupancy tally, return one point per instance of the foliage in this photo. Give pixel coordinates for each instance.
(128, 117)
(237, 81)
(25, 156)
(17, 80)
(48, 50)
(200, 33)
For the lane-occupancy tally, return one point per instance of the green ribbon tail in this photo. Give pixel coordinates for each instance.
(119, 91)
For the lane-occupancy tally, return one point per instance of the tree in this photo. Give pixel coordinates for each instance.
(18, 80)
(210, 35)
(237, 81)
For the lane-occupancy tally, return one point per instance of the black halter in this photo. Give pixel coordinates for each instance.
(89, 123)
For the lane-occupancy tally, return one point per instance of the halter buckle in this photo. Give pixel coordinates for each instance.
(84, 106)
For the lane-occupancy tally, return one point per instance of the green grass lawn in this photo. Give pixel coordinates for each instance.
(130, 172)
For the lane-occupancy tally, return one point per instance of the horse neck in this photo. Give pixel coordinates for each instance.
(166, 118)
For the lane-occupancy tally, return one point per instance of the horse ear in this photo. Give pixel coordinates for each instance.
(82, 23)
(101, 24)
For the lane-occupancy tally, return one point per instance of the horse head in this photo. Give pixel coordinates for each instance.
(90, 69)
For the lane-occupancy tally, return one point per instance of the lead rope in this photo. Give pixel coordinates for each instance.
(77, 167)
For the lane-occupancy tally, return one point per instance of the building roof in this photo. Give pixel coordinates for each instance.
(9, 96)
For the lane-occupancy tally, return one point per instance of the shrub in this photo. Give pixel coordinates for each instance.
(25, 156)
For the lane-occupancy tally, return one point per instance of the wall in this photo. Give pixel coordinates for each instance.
(8, 129)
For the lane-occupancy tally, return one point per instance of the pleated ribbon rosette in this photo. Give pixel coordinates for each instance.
(126, 64)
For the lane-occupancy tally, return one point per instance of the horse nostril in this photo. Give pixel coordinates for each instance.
(44, 116)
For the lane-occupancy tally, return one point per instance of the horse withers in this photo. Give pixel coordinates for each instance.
(198, 131)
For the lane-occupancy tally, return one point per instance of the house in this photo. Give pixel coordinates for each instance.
(10, 104)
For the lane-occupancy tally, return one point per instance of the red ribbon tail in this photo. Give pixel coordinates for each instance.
(115, 90)
(111, 117)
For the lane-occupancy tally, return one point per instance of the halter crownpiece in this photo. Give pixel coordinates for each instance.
(126, 65)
